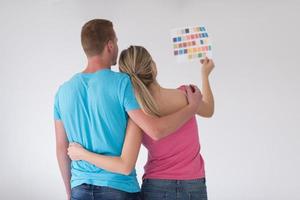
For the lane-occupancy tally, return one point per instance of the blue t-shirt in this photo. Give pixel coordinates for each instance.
(92, 107)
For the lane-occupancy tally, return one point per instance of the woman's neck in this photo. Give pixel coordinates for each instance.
(155, 88)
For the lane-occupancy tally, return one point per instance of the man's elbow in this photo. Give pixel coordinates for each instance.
(61, 150)
(62, 146)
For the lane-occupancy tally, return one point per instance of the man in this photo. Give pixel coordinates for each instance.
(92, 109)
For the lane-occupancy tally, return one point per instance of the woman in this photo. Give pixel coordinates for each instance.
(175, 168)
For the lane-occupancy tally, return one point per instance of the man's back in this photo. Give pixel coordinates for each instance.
(92, 107)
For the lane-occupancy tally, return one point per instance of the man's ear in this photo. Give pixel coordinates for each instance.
(110, 45)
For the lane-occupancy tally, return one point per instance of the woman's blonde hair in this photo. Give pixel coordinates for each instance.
(138, 64)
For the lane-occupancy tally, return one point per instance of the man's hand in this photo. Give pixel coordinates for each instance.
(194, 97)
(76, 151)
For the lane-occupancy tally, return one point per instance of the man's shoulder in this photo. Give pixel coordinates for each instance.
(68, 83)
(120, 75)
(119, 79)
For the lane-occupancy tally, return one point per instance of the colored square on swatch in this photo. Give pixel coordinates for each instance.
(191, 43)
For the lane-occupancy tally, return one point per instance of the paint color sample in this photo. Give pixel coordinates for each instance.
(191, 43)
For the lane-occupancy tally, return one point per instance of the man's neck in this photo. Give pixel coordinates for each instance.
(96, 63)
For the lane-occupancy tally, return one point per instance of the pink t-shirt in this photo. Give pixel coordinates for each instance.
(176, 156)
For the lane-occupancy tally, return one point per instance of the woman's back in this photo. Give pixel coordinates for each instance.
(177, 155)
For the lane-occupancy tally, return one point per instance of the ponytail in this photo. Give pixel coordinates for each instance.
(138, 64)
(143, 96)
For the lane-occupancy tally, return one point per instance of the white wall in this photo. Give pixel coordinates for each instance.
(251, 145)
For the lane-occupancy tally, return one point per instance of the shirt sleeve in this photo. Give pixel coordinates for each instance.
(57, 115)
(127, 93)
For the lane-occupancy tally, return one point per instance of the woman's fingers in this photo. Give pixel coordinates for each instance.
(74, 144)
(71, 153)
(204, 60)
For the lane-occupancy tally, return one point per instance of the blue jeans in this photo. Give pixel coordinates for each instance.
(93, 192)
(157, 189)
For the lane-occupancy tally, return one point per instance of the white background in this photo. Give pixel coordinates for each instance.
(251, 145)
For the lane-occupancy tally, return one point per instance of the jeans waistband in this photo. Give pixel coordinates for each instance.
(172, 182)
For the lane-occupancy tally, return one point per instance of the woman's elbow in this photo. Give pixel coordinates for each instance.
(206, 114)
(126, 170)
(209, 114)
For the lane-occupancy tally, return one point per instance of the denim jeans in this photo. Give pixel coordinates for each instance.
(157, 189)
(93, 192)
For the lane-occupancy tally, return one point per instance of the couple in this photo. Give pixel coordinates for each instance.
(102, 117)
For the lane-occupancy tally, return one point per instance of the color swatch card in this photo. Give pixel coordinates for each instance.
(191, 43)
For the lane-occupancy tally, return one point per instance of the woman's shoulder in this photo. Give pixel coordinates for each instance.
(178, 93)
(173, 100)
